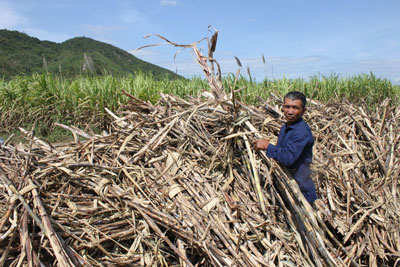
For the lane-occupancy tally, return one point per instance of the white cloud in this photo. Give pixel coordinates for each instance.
(169, 2)
(132, 16)
(145, 54)
(275, 67)
(14, 20)
(278, 67)
(296, 60)
(183, 64)
(388, 46)
(46, 35)
(100, 30)
(9, 18)
(384, 48)
(102, 33)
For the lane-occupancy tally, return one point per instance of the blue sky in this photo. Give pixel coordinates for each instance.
(297, 38)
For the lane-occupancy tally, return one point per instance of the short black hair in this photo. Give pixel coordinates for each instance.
(296, 95)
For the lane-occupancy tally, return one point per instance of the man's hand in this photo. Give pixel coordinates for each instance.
(260, 144)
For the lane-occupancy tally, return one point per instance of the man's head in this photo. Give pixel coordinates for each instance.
(294, 106)
(296, 95)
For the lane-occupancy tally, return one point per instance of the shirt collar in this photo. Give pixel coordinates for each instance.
(294, 124)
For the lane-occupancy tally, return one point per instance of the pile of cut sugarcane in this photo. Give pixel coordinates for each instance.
(178, 184)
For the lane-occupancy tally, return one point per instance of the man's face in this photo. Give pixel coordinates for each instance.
(293, 110)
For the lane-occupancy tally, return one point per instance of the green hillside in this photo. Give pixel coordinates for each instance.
(21, 54)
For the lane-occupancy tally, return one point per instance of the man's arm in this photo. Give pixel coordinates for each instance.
(288, 154)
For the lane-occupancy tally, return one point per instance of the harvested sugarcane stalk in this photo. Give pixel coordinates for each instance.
(199, 196)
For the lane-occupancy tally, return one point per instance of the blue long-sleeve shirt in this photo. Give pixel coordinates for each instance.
(294, 150)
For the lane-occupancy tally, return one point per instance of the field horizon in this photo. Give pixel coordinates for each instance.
(40, 100)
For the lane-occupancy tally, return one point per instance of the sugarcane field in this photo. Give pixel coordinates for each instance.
(178, 183)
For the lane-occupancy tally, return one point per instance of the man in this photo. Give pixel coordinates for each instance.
(295, 142)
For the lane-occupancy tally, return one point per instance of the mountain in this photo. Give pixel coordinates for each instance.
(21, 54)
